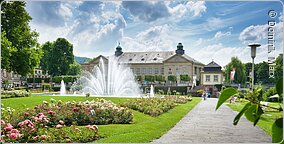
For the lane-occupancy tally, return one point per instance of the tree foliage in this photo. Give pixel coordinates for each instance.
(278, 73)
(21, 52)
(262, 73)
(58, 58)
(75, 69)
(240, 76)
(184, 77)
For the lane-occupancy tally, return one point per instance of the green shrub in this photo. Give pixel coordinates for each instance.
(149, 78)
(46, 86)
(270, 92)
(172, 78)
(138, 78)
(160, 78)
(184, 77)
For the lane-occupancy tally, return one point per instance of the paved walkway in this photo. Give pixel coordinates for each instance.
(205, 125)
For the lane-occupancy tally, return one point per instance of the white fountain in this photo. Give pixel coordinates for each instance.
(109, 79)
(152, 94)
(62, 88)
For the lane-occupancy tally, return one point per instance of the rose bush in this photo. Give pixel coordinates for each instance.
(155, 106)
(14, 93)
(56, 121)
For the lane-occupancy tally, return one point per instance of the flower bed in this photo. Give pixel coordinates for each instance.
(14, 93)
(156, 106)
(48, 122)
(179, 99)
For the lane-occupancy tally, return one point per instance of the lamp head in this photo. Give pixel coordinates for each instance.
(253, 47)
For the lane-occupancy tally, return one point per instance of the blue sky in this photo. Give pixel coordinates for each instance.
(208, 30)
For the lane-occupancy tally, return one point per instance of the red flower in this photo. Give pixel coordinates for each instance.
(75, 109)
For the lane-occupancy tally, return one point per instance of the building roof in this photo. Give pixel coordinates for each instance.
(145, 57)
(213, 64)
(150, 57)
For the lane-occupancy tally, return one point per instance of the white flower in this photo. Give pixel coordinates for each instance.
(93, 112)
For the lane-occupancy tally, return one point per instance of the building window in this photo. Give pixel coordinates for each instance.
(170, 71)
(208, 78)
(156, 71)
(138, 71)
(143, 71)
(162, 71)
(150, 71)
(215, 78)
(195, 70)
(132, 70)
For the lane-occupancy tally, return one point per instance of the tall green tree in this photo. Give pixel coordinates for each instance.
(74, 69)
(262, 73)
(26, 54)
(58, 57)
(240, 75)
(278, 73)
(6, 52)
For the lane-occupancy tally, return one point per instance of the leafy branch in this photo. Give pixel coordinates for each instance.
(253, 109)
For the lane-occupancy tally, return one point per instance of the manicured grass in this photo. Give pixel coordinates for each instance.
(267, 119)
(144, 128)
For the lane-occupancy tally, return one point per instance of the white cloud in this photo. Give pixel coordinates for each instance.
(256, 33)
(65, 10)
(156, 38)
(196, 8)
(222, 54)
(220, 34)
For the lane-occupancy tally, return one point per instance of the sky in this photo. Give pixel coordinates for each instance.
(208, 30)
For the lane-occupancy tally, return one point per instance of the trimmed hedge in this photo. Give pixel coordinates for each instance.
(38, 80)
(66, 79)
(172, 78)
(160, 78)
(149, 78)
(184, 77)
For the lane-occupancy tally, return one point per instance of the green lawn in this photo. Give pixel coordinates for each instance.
(266, 120)
(144, 128)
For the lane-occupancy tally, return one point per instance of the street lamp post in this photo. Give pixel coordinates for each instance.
(253, 47)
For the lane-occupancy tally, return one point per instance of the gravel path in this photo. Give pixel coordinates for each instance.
(205, 125)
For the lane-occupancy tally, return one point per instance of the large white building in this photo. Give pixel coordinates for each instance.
(164, 63)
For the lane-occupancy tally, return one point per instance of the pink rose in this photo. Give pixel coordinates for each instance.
(14, 131)
(35, 138)
(36, 107)
(76, 109)
(8, 127)
(61, 122)
(43, 136)
(94, 127)
(26, 113)
(87, 109)
(12, 135)
(2, 122)
(59, 126)
(88, 126)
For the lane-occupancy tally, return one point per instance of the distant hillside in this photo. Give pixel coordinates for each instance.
(81, 60)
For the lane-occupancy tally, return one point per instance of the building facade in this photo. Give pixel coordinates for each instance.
(211, 78)
(155, 63)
